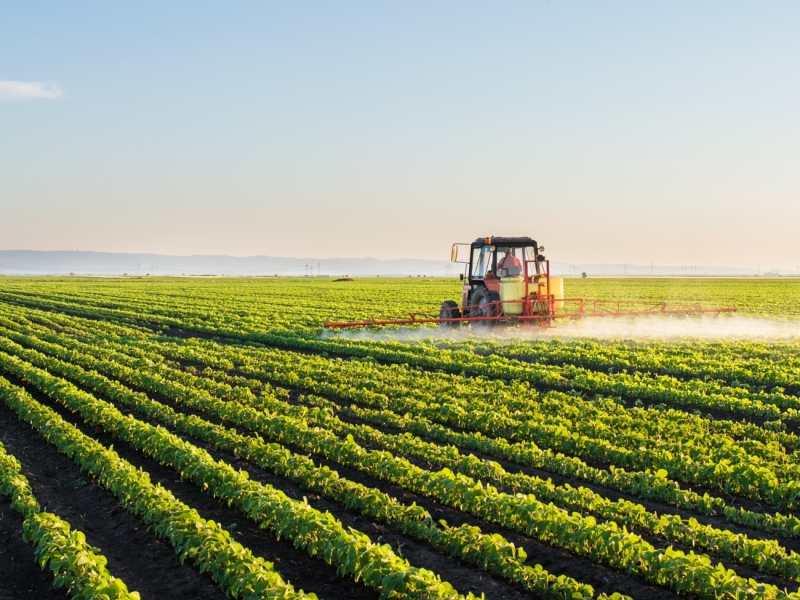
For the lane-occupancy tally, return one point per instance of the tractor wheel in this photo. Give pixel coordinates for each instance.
(482, 306)
(449, 310)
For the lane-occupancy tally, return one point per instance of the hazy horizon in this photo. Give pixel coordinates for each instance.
(62, 262)
(612, 133)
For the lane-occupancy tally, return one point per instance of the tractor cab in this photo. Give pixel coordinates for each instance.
(493, 258)
(503, 276)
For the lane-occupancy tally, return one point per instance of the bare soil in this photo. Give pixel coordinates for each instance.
(146, 563)
(464, 577)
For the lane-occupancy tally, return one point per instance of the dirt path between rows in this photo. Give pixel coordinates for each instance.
(144, 562)
(557, 561)
(296, 566)
(20, 575)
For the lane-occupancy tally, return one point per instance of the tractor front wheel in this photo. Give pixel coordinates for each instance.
(449, 310)
(481, 304)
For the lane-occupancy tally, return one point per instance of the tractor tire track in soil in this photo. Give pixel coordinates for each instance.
(297, 567)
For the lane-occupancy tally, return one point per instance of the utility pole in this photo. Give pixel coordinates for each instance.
(319, 270)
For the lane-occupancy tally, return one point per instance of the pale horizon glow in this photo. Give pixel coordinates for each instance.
(622, 132)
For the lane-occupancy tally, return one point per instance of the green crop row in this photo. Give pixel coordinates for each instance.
(743, 364)
(695, 393)
(645, 484)
(604, 542)
(642, 483)
(320, 534)
(76, 565)
(650, 428)
(747, 476)
(451, 393)
(765, 555)
(206, 543)
(491, 552)
(680, 424)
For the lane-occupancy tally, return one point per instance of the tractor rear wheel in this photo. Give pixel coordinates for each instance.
(449, 310)
(481, 304)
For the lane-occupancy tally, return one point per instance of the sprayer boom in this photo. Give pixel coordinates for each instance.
(585, 309)
(507, 280)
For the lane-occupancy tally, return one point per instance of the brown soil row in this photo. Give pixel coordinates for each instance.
(20, 575)
(734, 501)
(463, 576)
(146, 563)
(555, 560)
(792, 427)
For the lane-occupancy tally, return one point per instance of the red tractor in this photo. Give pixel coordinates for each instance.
(507, 280)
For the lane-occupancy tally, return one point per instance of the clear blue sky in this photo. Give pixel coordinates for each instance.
(612, 132)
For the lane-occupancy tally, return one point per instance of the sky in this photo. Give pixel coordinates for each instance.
(638, 132)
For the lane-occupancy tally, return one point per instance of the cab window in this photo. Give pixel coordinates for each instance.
(513, 261)
(482, 261)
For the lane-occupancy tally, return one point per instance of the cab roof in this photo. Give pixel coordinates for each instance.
(506, 241)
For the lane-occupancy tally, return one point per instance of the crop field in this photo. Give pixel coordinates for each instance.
(205, 438)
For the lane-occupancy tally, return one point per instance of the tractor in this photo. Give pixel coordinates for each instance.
(507, 281)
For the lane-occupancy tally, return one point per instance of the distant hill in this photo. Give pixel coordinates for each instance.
(36, 262)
